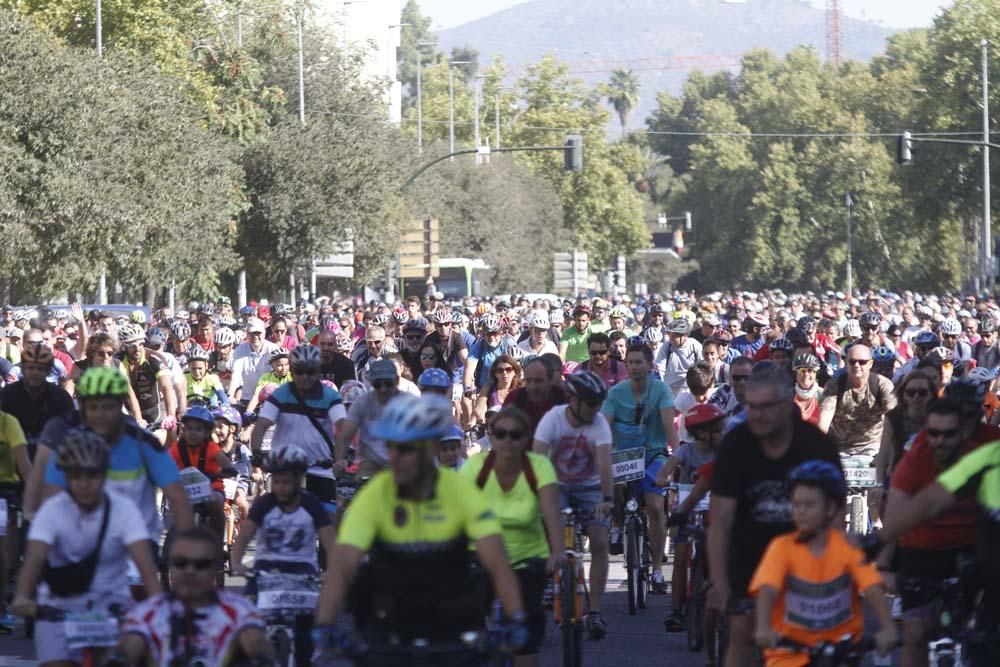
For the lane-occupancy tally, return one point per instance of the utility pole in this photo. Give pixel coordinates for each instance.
(986, 267)
(850, 220)
(451, 104)
(420, 97)
(102, 280)
(496, 120)
(241, 277)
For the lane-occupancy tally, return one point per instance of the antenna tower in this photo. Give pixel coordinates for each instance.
(834, 34)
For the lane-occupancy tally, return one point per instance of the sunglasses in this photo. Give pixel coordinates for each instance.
(505, 369)
(199, 564)
(740, 378)
(427, 357)
(413, 336)
(376, 342)
(600, 353)
(505, 434)
(910, 393)
(942, 433)
(859, 362)
(383, 384)
(869, 328)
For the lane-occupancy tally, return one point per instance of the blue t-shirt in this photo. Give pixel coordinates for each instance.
(139, 464)
(481, 351)
(631, 427)
(745, 346)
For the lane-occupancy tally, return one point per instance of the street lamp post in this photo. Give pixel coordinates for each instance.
(451, 103)
(102, 280)
(850, 220)
(420, 97)
(987, 263)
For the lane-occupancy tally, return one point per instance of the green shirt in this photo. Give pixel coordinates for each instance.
(576, 344)
(518, 510)
(11, 437)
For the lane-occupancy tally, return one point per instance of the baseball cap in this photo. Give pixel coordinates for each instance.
(256, 325)
(382, 369)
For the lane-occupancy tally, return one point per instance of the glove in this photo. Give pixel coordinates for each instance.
(677, 519)
(169, 423)
(331, 639)
(872, 545)
(511, 634)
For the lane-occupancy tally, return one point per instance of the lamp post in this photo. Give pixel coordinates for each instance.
(451, 103)
(102, 280)
(849, 201)
(986, 268)
(420, 98)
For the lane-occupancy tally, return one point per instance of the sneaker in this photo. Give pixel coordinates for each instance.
(659, 584)
(616, 542)
(596, 626)
(548, 593)
(675, 621)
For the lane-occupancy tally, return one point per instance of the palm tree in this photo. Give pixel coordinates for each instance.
(623, 94)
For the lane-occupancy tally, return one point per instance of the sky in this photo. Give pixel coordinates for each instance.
(894, 13)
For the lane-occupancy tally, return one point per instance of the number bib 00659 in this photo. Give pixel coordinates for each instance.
(196, 485)
(285, 591)
(90, 629)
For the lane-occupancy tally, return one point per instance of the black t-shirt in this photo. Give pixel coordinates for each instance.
(339, 371)
(759, 486)
(33, 411)
(450, 349)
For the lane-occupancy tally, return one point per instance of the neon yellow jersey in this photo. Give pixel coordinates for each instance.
(458, 513)
(204, 388)
(518, 510)
(11, 437)
(270, 378)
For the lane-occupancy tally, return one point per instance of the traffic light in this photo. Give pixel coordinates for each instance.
(904, 149)
(573, 153)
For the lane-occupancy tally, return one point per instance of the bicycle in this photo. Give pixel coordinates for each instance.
(92, 632)
(638, 556)
(843, 652)
(860, 476)
(570, 597)
(946, 645)
(284, 600)
(697, 584)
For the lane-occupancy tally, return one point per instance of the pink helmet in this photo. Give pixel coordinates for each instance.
(267, 390)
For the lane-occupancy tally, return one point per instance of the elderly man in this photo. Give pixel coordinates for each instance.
(251, 359)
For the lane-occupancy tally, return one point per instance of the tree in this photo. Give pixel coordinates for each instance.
(106, 166)
(623, 94)
(468, 58)
(417, 30)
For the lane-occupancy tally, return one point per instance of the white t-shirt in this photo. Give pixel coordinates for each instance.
(71, 535)
(548, 347)
(573, 450)
(683, 403)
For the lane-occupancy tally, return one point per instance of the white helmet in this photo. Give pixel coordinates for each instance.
(852, 329)
(540, 320)
(951, 327)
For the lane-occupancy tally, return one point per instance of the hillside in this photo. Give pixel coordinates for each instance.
(596, 34)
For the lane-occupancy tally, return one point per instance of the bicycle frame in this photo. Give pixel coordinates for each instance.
(570, 592)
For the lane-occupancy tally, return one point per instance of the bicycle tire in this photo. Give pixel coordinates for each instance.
(720, 638)
(694, 617)
(858, 521)
(633, 563)
(571, 625)
(284, 648)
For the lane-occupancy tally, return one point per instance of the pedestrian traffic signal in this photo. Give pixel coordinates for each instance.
(904, 149)
(573, 153)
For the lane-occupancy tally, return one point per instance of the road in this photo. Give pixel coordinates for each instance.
(632, 640)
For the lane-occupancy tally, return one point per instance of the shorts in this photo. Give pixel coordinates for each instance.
(532, 579)
(324, 488)
(648, 483)
(584, 501)
(916, 565)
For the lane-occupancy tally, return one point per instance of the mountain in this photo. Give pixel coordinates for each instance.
(660, 39)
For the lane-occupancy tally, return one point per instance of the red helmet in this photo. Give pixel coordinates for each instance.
(703, 414)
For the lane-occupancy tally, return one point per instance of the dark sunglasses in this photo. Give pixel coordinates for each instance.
(428, 357)
(869, 328)
(859, 362)
(505, 369)
(910, 393)
(376, 342)
(383, 384)
(199, 564)
(505, 434)
(740, 378)
(942, 433)
(600, 353)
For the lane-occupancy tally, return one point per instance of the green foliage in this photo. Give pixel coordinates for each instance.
(417, 29)
(622, 91)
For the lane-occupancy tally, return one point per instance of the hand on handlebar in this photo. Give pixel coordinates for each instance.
(886, 639)
(169, 423)
(603, 509)
(766, 637)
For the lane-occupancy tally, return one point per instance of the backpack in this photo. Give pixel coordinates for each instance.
(490, 462)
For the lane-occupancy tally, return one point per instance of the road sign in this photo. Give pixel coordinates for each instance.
(570, 272)
(420, 250)
(340, 263)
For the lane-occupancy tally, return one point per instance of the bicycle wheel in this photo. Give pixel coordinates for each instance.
(633, 563)
(859, 523)
(694, 617)
(567, 602)
(284, 648)
(720, 637)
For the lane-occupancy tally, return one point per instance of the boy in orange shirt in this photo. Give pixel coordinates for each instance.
(809, 584)
(195, 448)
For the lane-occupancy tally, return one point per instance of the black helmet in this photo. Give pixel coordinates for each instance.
(587, 386)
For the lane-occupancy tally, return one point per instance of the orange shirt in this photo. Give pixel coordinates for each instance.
(819, 598)
(202, 458)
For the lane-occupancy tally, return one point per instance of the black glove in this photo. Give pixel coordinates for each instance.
(511, 634)
(872, 545)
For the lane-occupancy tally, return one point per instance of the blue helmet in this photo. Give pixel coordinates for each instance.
(408, 418)
(883, 355)
(822, 474)
(199, 413)
(454, 435)
(434, 378)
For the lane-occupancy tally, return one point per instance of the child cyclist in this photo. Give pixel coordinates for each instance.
(227, 425)
(809, 584)
(203, 387)
(195, 448)
(289, 519)
(279, 375)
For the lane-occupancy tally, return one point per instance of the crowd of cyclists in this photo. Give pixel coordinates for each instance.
(416, 460)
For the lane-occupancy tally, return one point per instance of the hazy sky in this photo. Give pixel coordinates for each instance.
(894, 13)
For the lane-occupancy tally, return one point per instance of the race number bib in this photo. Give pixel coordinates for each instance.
(858, 471)
(196, 486)
(628, 464)
(684, 490)
(230, 485)
(285, 591)
(818, 606)
(90, 629)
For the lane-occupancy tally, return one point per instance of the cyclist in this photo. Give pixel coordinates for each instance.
(250, 361)
(677, 355)
(194, 624)
(32, 400)
(449, 449)
(883, 361)
(601, 362)
(151, 381)
(79, 544)
(538, 341)
(986, 351)
(195, 448)
(750, 342)
(360, 420)
(854, 404)
(807, 392)
(14, 461)
(416, 523)
(278, 375)
(304, 412)
(750, 503)
(227, 427)
(573, 341)
(203, 387)
(336, 367)
(871, 331)
(482, 354)
(289, 521)
(541, 392)
(180, 341)
(951, 330)
(923, 343)
(220, 359)
(577, 438)
(435, 381)
(809, 582)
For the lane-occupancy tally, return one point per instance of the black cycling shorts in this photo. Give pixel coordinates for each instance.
(324, 488)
